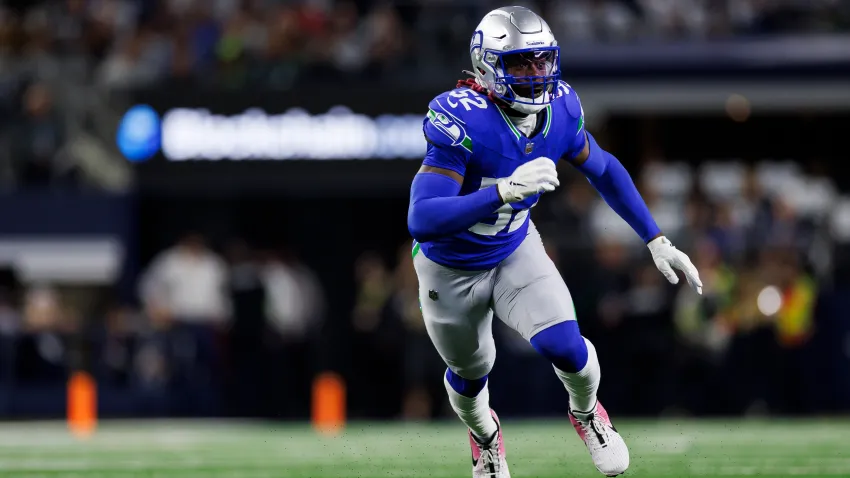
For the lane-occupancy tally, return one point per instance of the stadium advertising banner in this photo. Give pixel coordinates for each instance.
(271, 139)
(196, 134)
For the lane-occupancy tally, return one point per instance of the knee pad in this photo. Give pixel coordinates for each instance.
(463, 386)
(475, 365)
(563, 345)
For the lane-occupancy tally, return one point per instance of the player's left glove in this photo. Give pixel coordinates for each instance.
(667, 258)
(534, 177)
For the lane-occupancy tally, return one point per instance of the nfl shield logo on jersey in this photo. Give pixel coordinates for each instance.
(528, 148)
(432, 294)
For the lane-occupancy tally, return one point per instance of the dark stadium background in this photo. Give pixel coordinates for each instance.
(704, 89)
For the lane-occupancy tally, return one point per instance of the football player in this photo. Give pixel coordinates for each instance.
(493, 144)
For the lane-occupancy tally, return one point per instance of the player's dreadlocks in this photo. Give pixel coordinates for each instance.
(474, 86)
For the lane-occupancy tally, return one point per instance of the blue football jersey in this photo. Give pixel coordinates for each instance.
(468, 134)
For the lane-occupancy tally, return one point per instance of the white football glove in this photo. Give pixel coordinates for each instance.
(667, 258)
(537, 176)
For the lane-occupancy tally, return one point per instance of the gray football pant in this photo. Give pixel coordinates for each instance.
(525, 291)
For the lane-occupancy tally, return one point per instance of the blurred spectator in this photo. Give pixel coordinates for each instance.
(43, 349)
(752, 210)
(703, 328)
(700, 320)
(136, 62)
(294, 298)
(730, 238)
(376, 347)
(44, 311)
(567, 210)
(132, 359)
(599, 282)
(186, 284)
(294, 308)
(794, 327)
(611, 281)
(347, 40)
(10, 329)
(38, 141)
(795, 317)
(247, 292)
(184, 289)
(646, 337)
(374, 289)
(116, 351)
(286, 49)
(388, 39)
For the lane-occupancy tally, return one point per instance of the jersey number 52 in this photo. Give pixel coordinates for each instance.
(508, 217)
(466, 101)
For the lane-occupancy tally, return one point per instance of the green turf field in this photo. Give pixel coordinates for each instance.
(540, 450)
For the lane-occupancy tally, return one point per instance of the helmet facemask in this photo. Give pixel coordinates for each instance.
(524, 79)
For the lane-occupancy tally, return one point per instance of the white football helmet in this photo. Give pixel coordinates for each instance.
(515, 38)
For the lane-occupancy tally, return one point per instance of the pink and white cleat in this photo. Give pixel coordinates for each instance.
(488, 460)
(607, 448)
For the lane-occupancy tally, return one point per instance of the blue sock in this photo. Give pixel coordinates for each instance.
(465, 387)
(563, 345)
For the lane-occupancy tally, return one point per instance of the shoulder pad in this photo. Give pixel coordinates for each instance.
(446, 123)
(567, 96)
(469, 110)
(570, 124)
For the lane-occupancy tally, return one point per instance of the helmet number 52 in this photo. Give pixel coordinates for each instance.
(466, 101)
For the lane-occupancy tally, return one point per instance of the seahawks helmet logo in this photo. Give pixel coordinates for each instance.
(476, 41)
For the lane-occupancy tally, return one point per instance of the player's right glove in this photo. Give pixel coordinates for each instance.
(533, 177)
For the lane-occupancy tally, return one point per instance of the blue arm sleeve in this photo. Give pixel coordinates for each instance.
(436, 210)
(616, 187)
